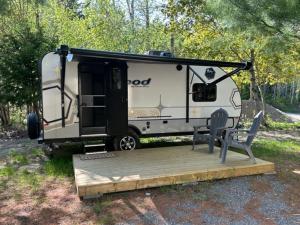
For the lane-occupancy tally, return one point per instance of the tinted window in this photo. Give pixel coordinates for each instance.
(116, 78)
(204, 93)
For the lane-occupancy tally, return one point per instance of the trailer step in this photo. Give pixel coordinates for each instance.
(98, 155)
(95, 153)
(94, 135)
(94, 148)
(94, 145)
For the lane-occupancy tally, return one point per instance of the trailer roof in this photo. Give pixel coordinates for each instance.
(149, 58)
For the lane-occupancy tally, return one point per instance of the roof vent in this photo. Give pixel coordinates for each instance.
(160, 53)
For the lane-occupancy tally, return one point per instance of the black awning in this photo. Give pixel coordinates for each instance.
(135, 57)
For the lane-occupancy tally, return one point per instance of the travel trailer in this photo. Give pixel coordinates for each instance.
(93, 95)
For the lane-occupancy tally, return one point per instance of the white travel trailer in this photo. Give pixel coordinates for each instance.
(88, 94)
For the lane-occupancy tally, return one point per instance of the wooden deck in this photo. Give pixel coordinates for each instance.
(143, 168)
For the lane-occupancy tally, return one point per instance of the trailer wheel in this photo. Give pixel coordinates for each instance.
(129, 142)
(33, 125)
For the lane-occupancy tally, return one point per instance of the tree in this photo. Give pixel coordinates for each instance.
(22, 43)
(279, 17)
(20, 53)
(208, 34)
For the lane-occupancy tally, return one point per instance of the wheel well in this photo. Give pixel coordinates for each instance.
(135, 129)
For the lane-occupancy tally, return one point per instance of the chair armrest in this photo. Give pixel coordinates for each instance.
(234, 132)
(221, 128)
(243, 130)
(231, 130)
(200, 126)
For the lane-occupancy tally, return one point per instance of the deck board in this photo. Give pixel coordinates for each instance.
(142, 168)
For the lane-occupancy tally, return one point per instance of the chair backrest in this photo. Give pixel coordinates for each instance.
(254, 128)
(218, 119)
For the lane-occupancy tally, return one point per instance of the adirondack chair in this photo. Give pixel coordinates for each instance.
(217, 126)
(229, 140)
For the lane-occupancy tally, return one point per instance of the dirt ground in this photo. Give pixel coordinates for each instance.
(263, 199)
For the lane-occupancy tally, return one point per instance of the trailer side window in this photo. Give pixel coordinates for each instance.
(116, 78)
(204, 93)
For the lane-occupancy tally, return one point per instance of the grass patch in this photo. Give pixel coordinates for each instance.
(19, 180)
(7, 171)
(59, 167)
(153, 142)
(18, 158)
(273, 125)
(31, 180)
(167, 188)
(277, 150)
(285, 155)
(37, 152)
(100, 206)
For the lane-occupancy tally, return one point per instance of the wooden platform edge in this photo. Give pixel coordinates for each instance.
(200, 175)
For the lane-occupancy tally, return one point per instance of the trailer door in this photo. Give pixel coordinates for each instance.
(117, 106)
(103, 98)
(92, 98)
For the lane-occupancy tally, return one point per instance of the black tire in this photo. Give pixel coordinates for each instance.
(132, 136)
(33, 125)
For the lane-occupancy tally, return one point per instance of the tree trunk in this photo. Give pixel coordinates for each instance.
(147, 23)
(172, 45)
(254, 88)
(147, 14)
(131, 12)
(293, 91)
(4, 115)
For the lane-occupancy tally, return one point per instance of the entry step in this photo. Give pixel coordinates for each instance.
(94, 135)
(97, 155)
(94, 145)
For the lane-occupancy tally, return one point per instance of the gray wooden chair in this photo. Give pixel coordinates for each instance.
(229, 140)
(217, 126)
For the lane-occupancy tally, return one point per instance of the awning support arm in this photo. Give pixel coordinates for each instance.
(63, 52)
(233, 72)
(197, 75)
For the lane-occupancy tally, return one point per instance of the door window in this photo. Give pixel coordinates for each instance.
(116, 79)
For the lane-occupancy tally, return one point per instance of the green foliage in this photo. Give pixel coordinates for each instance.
(277, 150)
(31, 180)
(283, 103)
(37, 152)
(7, 171)
(215, 30)
(19, 53)
(17, 157)
(22, 43)
(59, 167)
(279, 17)
(219, 30)
(3, 6)
(100, 205)
(273, 125)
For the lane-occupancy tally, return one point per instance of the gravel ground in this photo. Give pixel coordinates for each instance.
(250, 200)
(23, 145)
(294, 116)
